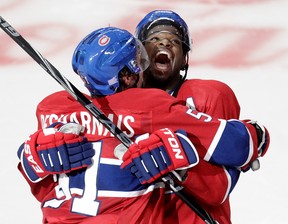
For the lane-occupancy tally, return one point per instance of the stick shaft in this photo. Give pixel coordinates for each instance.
(99, 115)
(65, 83)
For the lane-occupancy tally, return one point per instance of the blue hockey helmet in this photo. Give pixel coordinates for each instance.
(102, 54)
(164, 17)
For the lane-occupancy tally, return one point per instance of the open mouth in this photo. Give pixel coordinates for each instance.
(162, 60)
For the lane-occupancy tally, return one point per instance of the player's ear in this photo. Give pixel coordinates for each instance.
(128, 80)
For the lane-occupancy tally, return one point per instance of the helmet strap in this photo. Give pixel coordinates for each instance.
(182, 79)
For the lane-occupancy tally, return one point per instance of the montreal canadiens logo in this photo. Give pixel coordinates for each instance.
(104, 40)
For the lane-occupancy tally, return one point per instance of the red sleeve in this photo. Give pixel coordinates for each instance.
(207, 183)
(40, 189)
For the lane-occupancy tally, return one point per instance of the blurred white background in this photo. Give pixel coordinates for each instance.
(240, 42)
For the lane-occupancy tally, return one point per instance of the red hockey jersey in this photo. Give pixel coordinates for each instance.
(218, 100)
(103, 193)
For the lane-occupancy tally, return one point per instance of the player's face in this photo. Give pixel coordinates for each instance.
(164, 48)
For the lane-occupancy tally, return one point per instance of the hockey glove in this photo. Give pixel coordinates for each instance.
(263, 144)
(162, 152)
(51, 151)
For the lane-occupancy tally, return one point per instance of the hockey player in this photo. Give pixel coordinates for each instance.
(165, 35)
(78, 185)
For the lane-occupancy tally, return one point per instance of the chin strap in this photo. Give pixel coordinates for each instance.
(182, 79)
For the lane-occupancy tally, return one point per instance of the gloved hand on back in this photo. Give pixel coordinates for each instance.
(263, 137)
(163, 151)
(54, 150)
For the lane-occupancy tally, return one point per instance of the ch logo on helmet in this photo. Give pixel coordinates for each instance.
(104, 40)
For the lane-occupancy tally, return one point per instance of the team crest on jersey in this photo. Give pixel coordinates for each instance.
(104, 40)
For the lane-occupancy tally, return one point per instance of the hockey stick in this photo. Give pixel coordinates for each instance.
(99, 115)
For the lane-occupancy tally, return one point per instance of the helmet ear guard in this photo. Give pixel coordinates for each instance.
(101, 55)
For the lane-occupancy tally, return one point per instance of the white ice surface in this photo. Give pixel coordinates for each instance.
(255, 30)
